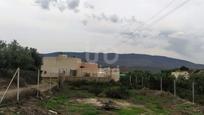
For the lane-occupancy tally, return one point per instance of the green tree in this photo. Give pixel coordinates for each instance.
(13, 55)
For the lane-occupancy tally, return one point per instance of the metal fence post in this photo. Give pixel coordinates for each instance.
(136, 80)
(161, 87)
(148, 82)
(18, 90)
(175, 88)
(130, 80)
(50, 85)
(193, 92)
(38, 83)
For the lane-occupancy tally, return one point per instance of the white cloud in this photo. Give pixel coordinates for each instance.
(178, 35)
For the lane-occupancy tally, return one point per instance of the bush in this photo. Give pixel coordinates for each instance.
(117, 92)
(96, 90)
(99, 88)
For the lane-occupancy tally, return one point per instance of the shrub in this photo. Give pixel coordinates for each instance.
(117, 92)
(95, 90)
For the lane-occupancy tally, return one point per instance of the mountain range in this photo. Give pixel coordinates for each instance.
(133, 61)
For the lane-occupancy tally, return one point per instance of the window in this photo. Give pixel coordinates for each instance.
(73, 73)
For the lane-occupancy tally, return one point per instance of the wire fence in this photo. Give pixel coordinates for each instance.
(191, 89)
(27, 77)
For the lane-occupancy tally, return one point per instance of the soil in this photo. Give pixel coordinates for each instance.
(102, 102)
(25, 108)
(4, 83)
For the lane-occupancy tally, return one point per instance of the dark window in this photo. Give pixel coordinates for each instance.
(73, 72)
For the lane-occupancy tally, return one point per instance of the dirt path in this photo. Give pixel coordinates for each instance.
(27, 90)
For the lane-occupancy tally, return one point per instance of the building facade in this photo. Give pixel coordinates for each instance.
(67, 66)
(62, 64)
(89, 69)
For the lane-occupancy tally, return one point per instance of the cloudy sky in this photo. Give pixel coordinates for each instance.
(173, 28)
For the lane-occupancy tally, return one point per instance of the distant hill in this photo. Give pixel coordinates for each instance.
(135, 61)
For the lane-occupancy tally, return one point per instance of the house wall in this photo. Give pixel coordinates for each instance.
(115, 74)
(90, 69)
(104, 72)
(53, 66)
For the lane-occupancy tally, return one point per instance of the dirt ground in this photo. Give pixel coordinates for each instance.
(4, 84)
(24, 108)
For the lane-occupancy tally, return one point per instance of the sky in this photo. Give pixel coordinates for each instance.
(172, 28)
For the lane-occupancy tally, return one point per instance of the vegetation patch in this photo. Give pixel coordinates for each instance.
(117, 92)
(75, 100)
(82, 109)
(54, 102)
(188, 108)
(131, 111)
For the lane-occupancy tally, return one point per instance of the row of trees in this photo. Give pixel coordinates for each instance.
(141, 79)
(13, 55)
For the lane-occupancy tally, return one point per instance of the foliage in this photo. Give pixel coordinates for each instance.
(54, 102)
(183, 68)
(62, 102)
(13, 55)
(141, 79)
(117, 92)
(93, 87)
(131, 111)
(26, 76)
